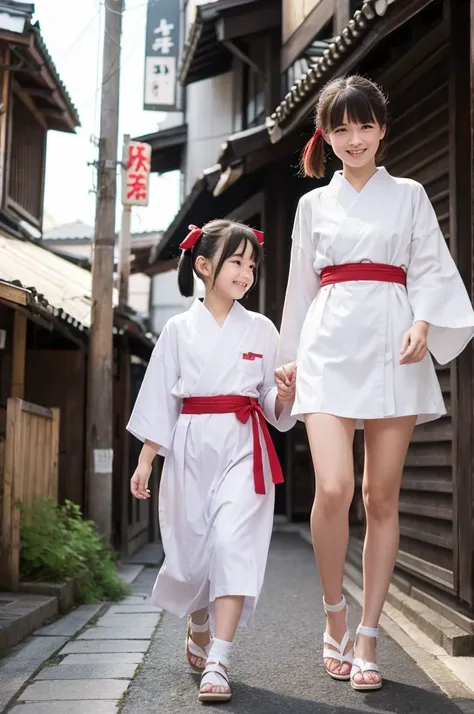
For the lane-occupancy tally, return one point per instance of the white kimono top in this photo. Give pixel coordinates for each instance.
(215, 529)
(346, 337)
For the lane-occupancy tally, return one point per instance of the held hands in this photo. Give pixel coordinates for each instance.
(414, 343)
(139, 481)
(285, 378)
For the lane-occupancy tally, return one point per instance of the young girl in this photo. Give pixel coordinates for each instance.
(372, 287)
(203, 403)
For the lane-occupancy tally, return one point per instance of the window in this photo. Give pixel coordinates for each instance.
(27, 150)
(253, 84)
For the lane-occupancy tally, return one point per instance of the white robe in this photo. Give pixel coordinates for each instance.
(215, 529)
(347, 337)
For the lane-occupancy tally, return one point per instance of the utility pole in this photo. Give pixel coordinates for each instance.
(100, 385)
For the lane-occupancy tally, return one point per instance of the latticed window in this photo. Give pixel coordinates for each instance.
(26, 169)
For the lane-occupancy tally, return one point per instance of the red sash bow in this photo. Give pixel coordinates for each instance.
(244, 408)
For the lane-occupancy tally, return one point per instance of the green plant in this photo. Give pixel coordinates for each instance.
(58, 544)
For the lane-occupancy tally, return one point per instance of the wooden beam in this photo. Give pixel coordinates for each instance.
(306, 32)
(44, 92)
(5, 101)
(19, 355)
(248, 22)
(12, 293)
(461, 194)
(28, 101)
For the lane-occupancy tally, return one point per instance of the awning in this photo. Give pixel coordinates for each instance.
(34, 68)
(209, 47)
(54, 289)
(253, 150)
(367, 28)
(166, 148)
(59, 286)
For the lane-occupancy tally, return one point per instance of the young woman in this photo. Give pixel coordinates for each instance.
(203, 403)
(372, 290)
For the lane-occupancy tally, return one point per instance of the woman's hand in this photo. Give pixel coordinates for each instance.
(139, 481)
(285, 378)
(414, 343)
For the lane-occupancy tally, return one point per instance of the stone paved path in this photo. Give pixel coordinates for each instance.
(129, 658)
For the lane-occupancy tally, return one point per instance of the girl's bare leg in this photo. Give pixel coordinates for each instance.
(331, 440)
(227, 612)
(386, 444)
(201, 639)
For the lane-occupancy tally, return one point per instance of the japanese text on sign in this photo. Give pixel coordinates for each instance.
(161, 61)
(136, 176)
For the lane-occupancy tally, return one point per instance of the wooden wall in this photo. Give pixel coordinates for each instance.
(294, 14)
(57, 378)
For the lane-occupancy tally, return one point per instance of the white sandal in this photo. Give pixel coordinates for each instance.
(215, 674)
(361, 666)
(338, 653)
(192, 649)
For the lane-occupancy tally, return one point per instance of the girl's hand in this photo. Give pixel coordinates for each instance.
(414, 343)
(139, 482)
(285, 378)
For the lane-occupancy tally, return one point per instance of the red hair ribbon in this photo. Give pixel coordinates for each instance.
(259, 235)
(195, 233)
(192, 238)
(312, 143)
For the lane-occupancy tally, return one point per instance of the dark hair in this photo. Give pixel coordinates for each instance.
(213, 233)
(362, 100)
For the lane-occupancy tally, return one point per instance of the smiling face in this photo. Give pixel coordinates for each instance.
(236, 275)
(356, 144)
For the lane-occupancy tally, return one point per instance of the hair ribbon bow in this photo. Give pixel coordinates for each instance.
(195, 233)
(192, 238)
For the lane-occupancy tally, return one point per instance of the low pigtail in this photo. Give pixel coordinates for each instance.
(185, 274)
(312, 159)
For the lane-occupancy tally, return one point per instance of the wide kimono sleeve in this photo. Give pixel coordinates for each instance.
(157, 409)
(435, 289)
(267, 388)
(303, 283)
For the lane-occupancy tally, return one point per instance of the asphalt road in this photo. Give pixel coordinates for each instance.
(276, 667)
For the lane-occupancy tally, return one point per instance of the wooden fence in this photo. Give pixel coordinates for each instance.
(30, 471)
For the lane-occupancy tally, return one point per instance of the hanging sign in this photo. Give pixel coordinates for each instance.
(162, 55)
(136, 174)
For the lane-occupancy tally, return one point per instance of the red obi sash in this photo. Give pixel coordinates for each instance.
(379, 272)
(244, 408)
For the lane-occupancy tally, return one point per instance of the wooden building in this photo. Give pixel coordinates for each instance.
(45, 302)
(421, 52)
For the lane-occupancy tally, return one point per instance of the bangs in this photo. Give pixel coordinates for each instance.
(238, 235)
(354, 104)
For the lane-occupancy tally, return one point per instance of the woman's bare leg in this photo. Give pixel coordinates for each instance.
(330, 439)
(386, 444)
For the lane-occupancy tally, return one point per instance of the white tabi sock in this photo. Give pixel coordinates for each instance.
(219, 652)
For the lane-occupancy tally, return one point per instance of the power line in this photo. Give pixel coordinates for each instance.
(80, 36)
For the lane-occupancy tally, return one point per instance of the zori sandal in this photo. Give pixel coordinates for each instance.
(338, 652)
(215, 674)
(360, 666)
(192, 649)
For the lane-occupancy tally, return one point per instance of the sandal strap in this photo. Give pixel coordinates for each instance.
(342, 658)
(340, 646)
(364, 666)
(335, 608)
(214, 668)
(196, 651)
(368, 631)
(199, 628)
